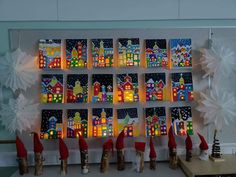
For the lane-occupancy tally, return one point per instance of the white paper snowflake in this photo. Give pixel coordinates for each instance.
(19, 114)
(18, 70)
(217, 108)
(219, 59)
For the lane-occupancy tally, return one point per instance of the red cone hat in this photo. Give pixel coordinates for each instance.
(64, 153)
(120, 140)
(82, 143)
(152, 149)
(171, 142)
(203, 145)
(38, 147)
(20, 148)
(188, 143)
(140, 146)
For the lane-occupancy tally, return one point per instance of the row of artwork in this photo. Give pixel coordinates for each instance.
(127, 87)
(128, 53)
(102, 122)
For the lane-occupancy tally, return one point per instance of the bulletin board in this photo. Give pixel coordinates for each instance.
(27, 40)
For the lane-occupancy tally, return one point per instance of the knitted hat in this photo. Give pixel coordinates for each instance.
(152, 153)
(120, 140)
(171, 142)
(188, 143)
(64, 153)
(108, 145)
(82, 143)
(38, 147)
(203, 145)
(140, 146)
(21, 151)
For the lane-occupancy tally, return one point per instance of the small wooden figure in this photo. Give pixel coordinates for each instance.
(140, 148)
(172, 150)
(83, 155)
(189, 145)
(106, 154)
(204, 148)
(152, 155)
(22, 157)
(38, 158)
(64, 153)
(120, 151)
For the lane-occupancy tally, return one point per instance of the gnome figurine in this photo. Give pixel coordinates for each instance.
(204, 148)
(152, 155)
(38, 158)
(120, 151)
(172, 150)
(189, 145)
(21, 157)
(106, 154)
(139, 160)
(83, 155)
(64, 153)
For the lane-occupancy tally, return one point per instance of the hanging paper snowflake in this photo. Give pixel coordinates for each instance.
(219, 59)
(217, 108)
(17, 70)
(19, 114)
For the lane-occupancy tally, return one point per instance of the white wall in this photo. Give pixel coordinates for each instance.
(89, 10)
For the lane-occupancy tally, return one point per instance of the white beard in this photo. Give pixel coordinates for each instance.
(137, 162)
(204, 155)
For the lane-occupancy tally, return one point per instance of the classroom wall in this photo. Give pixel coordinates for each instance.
(137, 14)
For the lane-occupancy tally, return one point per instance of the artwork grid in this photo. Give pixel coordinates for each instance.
(102, 53)
(129, 121)
(76, 53)
(51, 88)
(77, 88)
(102, 121)
(50, 53)
(155, 121)
(102, 88)
(156, 53)
(155, 84)
(182, 120)
(77, 123)
(182, 86)
(127, 86)
(129, 52)
(51, 124)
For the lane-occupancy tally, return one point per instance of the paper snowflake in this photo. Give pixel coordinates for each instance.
(17, 70)
(219, 59)
(19, 114)
(217, 108)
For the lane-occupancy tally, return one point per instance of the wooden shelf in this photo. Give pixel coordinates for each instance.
(199, 167)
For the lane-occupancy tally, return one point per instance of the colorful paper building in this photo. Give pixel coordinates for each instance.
(155, 86)
(49, 53)
(77, 123)
(76, 53)
(52, 88)
(129, 121)
(102, 88)
(181, 54)
(77, 88)
(182, 120)
(102, 53)
(51, 124)
(129, 52)
(182, 86)
(102, 122)
(127, 85)
(156, 53)
(155, 121)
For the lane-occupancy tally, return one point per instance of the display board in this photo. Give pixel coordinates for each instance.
(160, 73)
